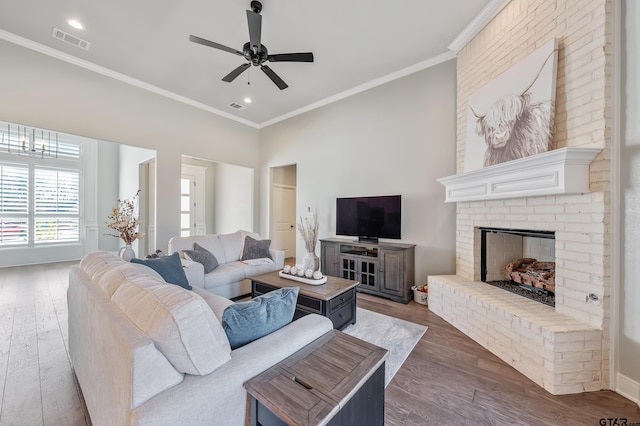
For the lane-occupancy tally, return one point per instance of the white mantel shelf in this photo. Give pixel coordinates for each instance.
(561, 171)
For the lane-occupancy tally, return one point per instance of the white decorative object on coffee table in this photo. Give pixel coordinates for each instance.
(310, 281)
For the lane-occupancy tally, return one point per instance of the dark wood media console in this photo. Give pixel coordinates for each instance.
(383, 269)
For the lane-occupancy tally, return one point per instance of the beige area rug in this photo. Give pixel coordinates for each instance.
(398, 336)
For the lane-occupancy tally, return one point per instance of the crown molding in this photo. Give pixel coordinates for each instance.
(40, 48)
(477, 24)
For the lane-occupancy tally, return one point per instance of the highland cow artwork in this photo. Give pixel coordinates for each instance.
(513, 115)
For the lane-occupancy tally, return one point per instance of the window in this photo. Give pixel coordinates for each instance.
(14, 204)
(57, 205)
(40, 197)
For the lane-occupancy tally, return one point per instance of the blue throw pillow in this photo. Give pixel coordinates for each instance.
(245, 322)
(169, 268)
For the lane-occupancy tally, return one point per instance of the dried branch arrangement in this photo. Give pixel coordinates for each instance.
(308, 228)
(124, 219)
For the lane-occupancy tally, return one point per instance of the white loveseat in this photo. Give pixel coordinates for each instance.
(150, 353)
(230, 278)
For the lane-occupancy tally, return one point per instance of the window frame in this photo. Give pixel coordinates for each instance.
(63, 163)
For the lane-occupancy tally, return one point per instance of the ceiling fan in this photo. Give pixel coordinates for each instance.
(254, 52)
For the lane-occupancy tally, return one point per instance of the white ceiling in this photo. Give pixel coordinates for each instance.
(354, 43)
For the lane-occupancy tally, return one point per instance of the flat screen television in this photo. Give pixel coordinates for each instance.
(369, 218)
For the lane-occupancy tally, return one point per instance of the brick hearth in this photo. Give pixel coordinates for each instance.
(555, 351)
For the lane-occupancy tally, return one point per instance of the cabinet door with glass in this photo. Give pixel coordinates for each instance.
(355, 268)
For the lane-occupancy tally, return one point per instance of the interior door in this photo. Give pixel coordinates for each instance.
(283, 213)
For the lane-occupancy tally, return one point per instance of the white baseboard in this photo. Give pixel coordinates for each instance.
(628, 388)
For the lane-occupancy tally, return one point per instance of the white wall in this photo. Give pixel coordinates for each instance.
(108, 190)
(628, 350)
(397, 138)
(38, 90)
(129, 178)
(234, 198)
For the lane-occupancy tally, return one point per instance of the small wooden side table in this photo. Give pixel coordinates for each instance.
(335, 380)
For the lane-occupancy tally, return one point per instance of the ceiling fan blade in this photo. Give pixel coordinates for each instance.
(255, 29)
(235, 73)
(215, 45)
(274, 77)
(291, 57)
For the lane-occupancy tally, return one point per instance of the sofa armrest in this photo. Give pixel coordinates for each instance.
(220, 394)
(194, 272)
(278, 258)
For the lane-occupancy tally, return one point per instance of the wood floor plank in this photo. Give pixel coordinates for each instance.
(448, 379)
(446, 366)
(22, 404)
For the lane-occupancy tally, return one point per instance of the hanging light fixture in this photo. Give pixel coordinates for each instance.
(29, 142)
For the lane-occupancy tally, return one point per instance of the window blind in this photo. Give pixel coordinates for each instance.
(14, 204)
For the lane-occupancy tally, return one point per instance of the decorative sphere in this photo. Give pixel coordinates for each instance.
(300, 272)
(308, 273)
(317, 275)
(293, 270)
(287, 269)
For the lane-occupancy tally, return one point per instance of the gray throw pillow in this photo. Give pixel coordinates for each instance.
(245, 322)
(202, 255)
(255, 249)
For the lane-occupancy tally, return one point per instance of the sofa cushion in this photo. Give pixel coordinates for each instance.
(262, 266)
(225, 274)
(180, 323)
(203, 256)
(255, 249)
(210, 242)
(213, 243)
(217, 303)
(112, 279)
(169, 267)
(245, 322)
(232, 244)
(96, 264)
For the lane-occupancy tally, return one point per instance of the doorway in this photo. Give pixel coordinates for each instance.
(283, 209)
(192, 200)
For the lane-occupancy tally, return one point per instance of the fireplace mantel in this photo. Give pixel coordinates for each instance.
(561, 171)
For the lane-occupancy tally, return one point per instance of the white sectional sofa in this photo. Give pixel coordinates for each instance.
(146, 352)
(230, 278)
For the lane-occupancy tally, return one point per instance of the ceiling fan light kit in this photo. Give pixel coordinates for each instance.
(254, 52)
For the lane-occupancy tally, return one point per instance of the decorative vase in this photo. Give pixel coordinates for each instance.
(311, 261)
(127, 253)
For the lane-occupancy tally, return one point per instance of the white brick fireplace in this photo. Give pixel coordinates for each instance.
(564, 349)
(560, 349)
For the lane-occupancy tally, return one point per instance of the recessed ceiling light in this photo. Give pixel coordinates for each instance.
(247, 100)
(75, 24)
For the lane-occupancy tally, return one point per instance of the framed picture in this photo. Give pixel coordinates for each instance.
(513, 115)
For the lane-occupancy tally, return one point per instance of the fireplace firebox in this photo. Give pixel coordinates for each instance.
(519, 261)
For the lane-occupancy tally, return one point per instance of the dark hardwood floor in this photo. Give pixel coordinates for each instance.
(448, 379)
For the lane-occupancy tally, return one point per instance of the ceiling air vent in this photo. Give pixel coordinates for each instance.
(237, 106)
(71, 39)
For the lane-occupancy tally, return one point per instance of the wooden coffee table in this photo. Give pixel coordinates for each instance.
(336, 299)
(335, 380)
